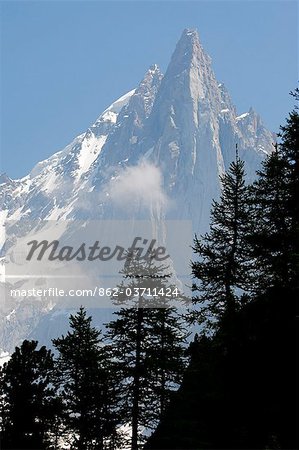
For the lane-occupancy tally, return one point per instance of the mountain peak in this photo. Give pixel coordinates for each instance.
(189, 41)
(190, 34)
(146, 91)
(188, 53)
(154, 68)
(152, 78)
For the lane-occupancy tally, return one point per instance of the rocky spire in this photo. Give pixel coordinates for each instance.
(144, 96)
(183, 128)
(122, 143)
(188, 52)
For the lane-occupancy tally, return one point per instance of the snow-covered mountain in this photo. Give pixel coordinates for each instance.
(156, 152)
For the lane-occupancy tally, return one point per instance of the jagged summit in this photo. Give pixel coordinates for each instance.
(191, 32)
(154, 68)
(189, 80)
(148, 87)
(189, 47)
(188, 50)
(189, 37)
(121, 143)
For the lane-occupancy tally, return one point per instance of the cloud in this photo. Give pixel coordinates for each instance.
(139, 186)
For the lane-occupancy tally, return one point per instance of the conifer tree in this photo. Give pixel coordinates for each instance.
(276, 201)
(224, 264)
(146, 345)
(29, 406)
(269, 237)
(86, 385)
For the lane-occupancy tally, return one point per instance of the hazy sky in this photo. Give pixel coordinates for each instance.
(63, 62)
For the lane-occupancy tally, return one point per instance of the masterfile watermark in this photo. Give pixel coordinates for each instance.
(142, 249)
(79, 256)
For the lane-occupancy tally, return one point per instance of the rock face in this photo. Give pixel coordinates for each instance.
(172, 136)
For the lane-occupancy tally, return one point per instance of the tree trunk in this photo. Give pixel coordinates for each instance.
(162, 398)
(136, 386)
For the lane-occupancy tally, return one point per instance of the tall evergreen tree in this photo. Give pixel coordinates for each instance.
(146, 344)
(276, 199)
(29, 406)
(224, 264)
(275, 241)
(86, 385)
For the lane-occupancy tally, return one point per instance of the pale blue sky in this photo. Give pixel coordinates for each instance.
(63, 62)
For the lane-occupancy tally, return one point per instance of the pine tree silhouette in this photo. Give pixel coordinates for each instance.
(86, 382)
(276, 199)
(147, 346)
(224, 265)
(29, 406)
